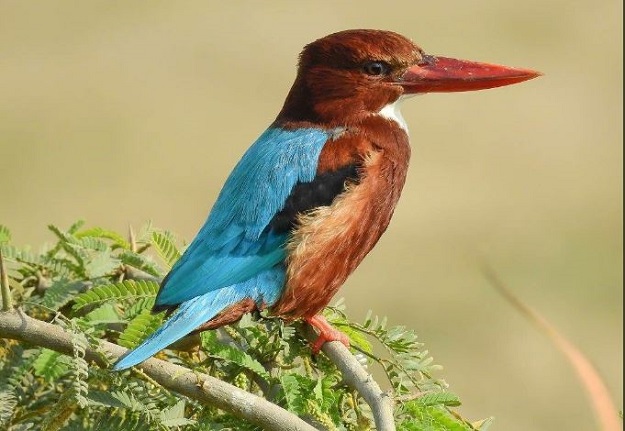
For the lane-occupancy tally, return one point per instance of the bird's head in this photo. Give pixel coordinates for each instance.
(352, 74)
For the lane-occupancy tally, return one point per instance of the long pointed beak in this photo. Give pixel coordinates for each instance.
(445, 75)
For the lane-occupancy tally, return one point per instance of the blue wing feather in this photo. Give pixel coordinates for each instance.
(236, 255)
(235, 244)
(260, 183)
(265, 287)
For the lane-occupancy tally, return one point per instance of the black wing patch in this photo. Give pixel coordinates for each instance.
(320, 192)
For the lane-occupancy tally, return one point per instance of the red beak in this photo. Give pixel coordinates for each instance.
(445, 75)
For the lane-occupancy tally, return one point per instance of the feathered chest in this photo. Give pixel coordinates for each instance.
(360, 176)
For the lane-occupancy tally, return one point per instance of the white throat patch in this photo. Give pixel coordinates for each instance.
(391, 112)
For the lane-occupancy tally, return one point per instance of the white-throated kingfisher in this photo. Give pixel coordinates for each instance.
(312, 196)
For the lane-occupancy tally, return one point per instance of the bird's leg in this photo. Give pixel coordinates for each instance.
(326, 333)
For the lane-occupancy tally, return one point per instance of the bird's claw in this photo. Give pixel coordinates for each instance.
(326, 333)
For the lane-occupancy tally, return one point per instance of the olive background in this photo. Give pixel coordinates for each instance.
(119, 112)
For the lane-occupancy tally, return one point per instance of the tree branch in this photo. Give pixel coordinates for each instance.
(205, 388)
(5, 293)
(360, 380)
(198, 386)
(353, 372)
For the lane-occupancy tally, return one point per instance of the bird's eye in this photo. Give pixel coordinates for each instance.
(376, 68)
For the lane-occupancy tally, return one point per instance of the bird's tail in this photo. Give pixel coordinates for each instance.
(189, 316)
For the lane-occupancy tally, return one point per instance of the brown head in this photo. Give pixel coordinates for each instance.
(351, 74)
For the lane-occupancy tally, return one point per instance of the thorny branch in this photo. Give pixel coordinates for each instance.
(5, 294)
(206, 389)
(17, 325)
(353, 372)
(360, 380)
(198, 386)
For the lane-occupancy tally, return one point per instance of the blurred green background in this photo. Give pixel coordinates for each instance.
(119, 112)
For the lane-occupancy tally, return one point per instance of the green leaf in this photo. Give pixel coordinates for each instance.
(139, 261)
(60, 293)
(318, 391)
(95, 244)
(106, 313)
(144, 236)
(8, 401)
(356, 337)
(101, 265)
(24, 255)
(103, 399)
(74, 227)
(439, 398)
(229, 353)
(166, 248)
(98, 232)
(125, 290)
(139, 328)
(138, 306)
(432, 418)
(174, 416)
(51, 365)
(293, 392)
(130, 401)
(129, 421)
(16, 367)
(136, 397)
(68, 242)
(5, 234)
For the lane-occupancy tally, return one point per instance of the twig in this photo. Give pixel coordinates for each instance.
(198, 386)
(354, 374)
(132, 239)
(207, 389)
(5, 292)
(360, 380)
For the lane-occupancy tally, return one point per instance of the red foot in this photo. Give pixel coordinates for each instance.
(326, 333)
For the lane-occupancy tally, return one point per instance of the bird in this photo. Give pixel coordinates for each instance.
(315, 192)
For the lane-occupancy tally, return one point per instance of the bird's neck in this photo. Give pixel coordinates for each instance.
(327, 107)
(392, 112)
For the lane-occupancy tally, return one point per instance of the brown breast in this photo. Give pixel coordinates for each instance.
(330, 241)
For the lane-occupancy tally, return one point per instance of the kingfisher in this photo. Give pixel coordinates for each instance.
(314, 193)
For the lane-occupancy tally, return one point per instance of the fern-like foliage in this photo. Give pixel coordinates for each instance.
(127, 291)
(87, 282)
(166, 247)
(142, 325)
(5, 234)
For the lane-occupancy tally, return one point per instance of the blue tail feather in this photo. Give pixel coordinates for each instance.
(263, 289)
